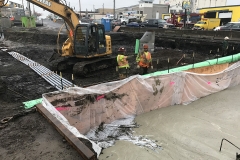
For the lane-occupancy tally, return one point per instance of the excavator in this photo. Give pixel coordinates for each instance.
(87, 48)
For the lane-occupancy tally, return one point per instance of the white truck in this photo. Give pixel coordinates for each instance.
(125, 19)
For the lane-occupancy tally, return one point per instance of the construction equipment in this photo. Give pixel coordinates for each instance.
(87, 48)
(3, 3)
(178, 19)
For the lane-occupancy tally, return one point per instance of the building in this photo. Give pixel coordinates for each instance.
(14, 5)
(225, 13)
(145, 7)
(96, 13)
(104, 11)
(12, 9)
(175, 6)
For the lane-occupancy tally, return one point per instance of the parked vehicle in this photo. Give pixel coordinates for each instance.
(207, 24)
(226, 25)
(178, 19)
(159, 23)
(116, 23)
(232, 27)
(98, 21)
(86, 20)
(133, 24)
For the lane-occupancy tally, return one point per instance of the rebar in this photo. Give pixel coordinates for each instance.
(51, 77)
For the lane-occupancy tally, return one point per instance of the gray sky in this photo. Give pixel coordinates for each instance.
(90, 4)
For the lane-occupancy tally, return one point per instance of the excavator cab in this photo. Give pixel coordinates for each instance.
(89, 40)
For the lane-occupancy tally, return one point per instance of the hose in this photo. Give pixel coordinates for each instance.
(58, 38)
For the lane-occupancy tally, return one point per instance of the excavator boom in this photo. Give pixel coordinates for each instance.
(57, 8)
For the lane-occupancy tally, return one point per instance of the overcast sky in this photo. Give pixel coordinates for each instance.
(90, 4)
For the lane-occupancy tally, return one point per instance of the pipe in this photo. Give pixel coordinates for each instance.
(227, 59)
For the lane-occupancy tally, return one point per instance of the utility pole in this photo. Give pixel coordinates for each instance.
(29, 9)
(79, 9)
(34, 14)
(23, 7)
(114, 9)
(94, 11)
(103, 8)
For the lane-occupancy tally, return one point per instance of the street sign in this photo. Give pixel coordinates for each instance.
(186, 5)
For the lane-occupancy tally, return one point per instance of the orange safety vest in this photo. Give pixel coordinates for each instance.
(122, 61)
(145, 59)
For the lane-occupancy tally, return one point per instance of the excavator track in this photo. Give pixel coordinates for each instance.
(83, 67)
(62, 63)
(90, 68)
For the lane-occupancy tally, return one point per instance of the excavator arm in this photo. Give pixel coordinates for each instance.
(3, 3)
(57, 8)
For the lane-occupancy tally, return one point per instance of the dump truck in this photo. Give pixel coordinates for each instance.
(178, 19)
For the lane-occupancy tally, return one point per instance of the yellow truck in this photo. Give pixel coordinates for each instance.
(207, 24)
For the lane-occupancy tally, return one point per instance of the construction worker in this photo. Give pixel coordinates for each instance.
(225, 46)
(123, 65)
(144, 60)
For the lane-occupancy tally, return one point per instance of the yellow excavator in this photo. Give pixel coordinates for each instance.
(87, 48)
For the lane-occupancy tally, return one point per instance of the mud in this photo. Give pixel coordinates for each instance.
(31, 136)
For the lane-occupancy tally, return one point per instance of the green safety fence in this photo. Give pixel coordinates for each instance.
(32, 103)
(28, 22)
(228, 59)
(137, 46)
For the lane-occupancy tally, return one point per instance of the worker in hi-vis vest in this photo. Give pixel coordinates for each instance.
(122, 61)
(144, 60)
(225, 47)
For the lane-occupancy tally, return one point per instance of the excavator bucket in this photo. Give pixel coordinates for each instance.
(149, 39)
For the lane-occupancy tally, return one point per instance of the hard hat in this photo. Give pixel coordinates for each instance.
(145, 46)
(226, 38)
(121, 49)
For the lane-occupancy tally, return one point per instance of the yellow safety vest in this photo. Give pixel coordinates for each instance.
(122, 61)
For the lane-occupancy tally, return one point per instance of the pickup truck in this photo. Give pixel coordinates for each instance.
(158, 23)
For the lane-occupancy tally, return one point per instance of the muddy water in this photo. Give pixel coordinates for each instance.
(191, 132)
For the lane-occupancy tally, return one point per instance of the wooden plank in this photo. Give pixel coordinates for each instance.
(116, 29)
(81, 148)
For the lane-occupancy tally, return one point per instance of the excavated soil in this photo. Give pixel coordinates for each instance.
(31, 136)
